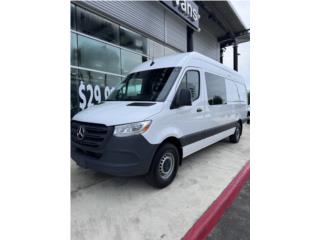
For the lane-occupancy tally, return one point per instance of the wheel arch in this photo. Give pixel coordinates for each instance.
(175, 141)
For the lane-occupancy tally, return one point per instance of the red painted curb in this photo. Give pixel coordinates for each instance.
(205, 224)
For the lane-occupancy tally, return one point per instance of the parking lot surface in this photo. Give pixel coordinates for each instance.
(106, 207)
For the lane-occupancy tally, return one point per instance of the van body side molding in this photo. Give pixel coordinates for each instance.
(194, 137)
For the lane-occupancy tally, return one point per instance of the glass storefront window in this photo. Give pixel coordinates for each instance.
(73, 17)
(155, 49)
(74, 92)
(94, 78)
(96, 26)
(97, 55)
(133, 40)
(73, 49)
(113, 81)
(129, 61)
(89, 88)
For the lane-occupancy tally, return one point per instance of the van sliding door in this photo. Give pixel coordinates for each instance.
(216, 101)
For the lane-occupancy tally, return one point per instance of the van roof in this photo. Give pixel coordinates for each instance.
(182, 60)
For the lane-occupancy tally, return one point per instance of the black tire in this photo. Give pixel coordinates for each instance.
(162, 171)
(237, 134)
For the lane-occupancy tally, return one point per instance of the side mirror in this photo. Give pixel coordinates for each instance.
(183, 98)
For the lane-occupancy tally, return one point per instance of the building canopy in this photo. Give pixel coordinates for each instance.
(225, 22)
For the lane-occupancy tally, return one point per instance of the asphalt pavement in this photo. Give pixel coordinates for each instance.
(235, 222)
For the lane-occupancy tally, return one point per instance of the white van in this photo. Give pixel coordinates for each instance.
(163, 111)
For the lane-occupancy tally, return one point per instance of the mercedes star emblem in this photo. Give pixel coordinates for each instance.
(80, 133)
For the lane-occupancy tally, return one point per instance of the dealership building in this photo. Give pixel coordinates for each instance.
(110, 38)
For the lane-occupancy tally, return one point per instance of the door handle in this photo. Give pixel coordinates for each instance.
(199, 109)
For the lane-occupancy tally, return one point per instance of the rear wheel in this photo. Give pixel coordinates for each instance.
(164, 166)
(237, 134)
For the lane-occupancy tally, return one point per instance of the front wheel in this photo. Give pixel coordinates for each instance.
(237, 134)
(164, 166)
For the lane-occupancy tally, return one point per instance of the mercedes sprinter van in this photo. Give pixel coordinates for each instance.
(163, 111)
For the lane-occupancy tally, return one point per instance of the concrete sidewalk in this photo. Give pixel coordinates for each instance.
(105, 207)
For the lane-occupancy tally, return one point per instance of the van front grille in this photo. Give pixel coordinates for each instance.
(90, 135)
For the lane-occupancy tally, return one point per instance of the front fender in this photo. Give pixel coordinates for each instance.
(157, 134)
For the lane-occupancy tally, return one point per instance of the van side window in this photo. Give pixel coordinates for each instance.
(232, 91)
(216, 89)
(242, 92)
(191, 81)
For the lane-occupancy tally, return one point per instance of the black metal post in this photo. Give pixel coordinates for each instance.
(189, 39)
(221, 54)
(235, 56)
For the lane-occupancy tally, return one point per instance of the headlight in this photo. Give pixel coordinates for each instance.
(131, 129)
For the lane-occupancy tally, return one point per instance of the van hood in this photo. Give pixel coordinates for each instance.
(118, 112)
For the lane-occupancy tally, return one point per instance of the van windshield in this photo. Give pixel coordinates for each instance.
(151, 85)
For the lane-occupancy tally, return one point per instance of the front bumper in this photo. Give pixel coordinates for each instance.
(118, 156)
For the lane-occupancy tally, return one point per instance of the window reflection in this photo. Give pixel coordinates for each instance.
(133, 40)
(149, 85)
(129, 61)
(191, 81)
(73, 16)
(96, 55)
(97, 26)
(104, 81)
(89, 87)
(216, 89)
(242, 92)
(74, 92)
(232, 93)
(155, 49)
(73, 49)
